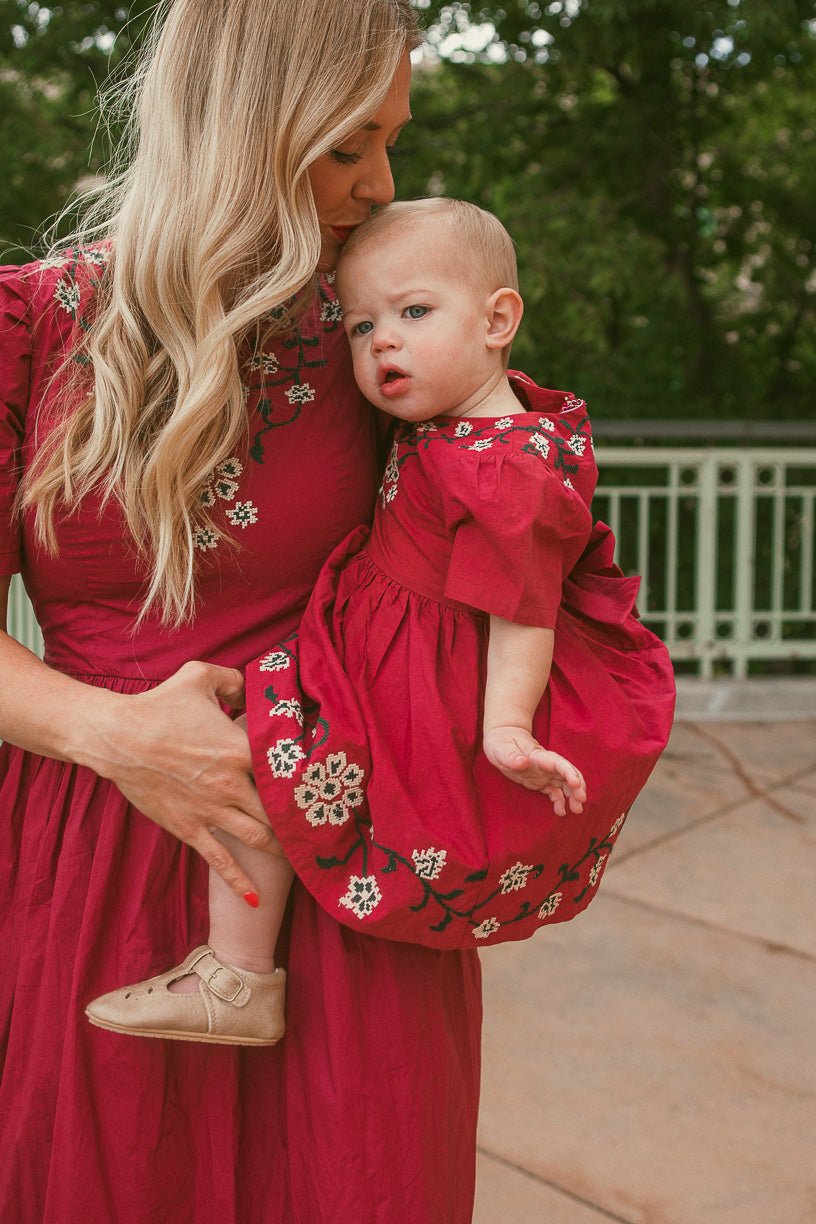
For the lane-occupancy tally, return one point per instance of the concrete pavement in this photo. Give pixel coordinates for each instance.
(652, 1062)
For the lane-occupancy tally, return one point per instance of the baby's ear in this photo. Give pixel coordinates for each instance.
(504, 311)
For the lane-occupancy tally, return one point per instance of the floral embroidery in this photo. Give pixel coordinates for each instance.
(288, 709)
(572, 401)
(362, 896)
(547, 424)
(595, 870)
(568, 483)
(330, 792)
(427, 863)
(541, 444)
(488, 927)
(425, 427)
(205, 538)
(481, 444)
(68, 295)
(301, 393)
(550, 905)
(577, 444)
(515, 877)
(388, 488)
(463, 429)
(243, 514)
(283, 757)
(331, 312)
(504, 423)
(276, 660)
(266, 362)
(617, 825)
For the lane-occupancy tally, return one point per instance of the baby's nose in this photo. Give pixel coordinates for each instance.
(384, 338)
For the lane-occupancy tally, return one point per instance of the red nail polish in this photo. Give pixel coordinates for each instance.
(252, 899)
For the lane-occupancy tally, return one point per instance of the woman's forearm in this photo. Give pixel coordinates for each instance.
(519, 658)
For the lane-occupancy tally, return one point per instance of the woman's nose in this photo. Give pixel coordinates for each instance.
(376, 185)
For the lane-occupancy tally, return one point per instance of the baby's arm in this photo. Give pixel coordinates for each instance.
(518, 668)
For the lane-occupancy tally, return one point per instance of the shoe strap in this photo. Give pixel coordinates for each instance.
(221, 980)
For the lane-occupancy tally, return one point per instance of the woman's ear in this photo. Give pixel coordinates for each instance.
(504, 311)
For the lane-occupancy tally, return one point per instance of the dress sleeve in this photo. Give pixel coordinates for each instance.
(517, 532)
(15, 369)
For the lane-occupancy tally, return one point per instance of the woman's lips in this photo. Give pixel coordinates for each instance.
(343, 232)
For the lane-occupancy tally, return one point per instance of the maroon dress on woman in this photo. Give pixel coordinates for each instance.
(367, 1110)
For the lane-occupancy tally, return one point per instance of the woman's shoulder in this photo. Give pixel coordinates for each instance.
(60, 285)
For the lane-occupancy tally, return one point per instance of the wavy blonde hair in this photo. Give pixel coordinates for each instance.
(213, 227)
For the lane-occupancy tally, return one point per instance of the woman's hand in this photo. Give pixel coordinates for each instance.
(178, 758)
(521, 758)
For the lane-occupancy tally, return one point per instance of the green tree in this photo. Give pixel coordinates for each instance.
(653, 160)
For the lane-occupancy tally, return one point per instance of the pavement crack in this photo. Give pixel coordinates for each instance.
(601, 1212)
(753, 787)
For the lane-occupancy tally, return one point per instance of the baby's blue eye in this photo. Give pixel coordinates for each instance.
(416, 312)
(362, 329)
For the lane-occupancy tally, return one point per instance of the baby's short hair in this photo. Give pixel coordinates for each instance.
(483, 249)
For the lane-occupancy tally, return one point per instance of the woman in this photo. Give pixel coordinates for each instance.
(176, 507)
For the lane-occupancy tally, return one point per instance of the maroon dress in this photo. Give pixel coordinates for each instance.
(367, 1110)
(369, 758)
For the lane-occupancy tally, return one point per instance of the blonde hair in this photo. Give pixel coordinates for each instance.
(481, 247)
(213, 228)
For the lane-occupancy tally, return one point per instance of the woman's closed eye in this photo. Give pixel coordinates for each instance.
(343, 158)
(416, 312)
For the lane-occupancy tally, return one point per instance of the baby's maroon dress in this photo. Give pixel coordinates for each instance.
(369, 757)
(366, 1111)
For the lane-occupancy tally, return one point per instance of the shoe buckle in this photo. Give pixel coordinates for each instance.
(221, 992)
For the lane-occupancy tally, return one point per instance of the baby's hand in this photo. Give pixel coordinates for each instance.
(522, 759)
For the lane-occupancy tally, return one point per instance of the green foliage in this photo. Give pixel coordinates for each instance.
(653, 160)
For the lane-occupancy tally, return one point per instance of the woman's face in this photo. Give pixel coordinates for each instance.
(348, 181)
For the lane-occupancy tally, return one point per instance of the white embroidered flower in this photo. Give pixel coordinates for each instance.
(572, 401)
(550, 905)
(425, 427)
(481, 444)
(391, 474)
(277, 660)
(568, 483)
(283, 757)
(332, 312)
(486, 928)
(362, 895)
(288, 709)
(463, 429)
(617, 825)
(541, 444)
(301, 393)
(331, 790)
(577, 444)
(389, 494)
(328, 277)
(547, 424)
(205, 538)
(504, 423)
(267, 363)
(515, 877)
(207, 497)
(595, 871)
(428, 863)
(68, 295)
(243, 514)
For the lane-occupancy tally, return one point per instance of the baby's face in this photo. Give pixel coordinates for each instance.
(417, 326)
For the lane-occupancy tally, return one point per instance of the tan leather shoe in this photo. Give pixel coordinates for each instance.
(232, 1006)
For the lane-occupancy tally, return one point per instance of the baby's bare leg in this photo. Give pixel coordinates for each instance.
(241, 934)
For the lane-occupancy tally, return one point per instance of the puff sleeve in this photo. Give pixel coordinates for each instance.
(15, 372)
(517, 530)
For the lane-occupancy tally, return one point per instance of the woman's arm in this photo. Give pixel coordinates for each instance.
(519, 658)
(171, 751)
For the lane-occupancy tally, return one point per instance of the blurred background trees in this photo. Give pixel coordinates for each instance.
(655, 161)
